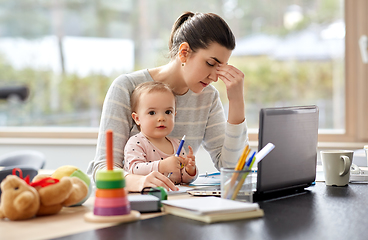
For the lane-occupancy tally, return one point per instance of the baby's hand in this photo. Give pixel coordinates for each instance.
(190, 167)
(170, 165)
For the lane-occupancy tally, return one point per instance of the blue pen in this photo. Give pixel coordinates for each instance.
(246, 167)
(241, 178)
(180, 147)
(209, 174)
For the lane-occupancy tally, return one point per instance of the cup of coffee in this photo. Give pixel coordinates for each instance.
(336, 166)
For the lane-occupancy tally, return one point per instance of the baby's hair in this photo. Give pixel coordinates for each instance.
(148, 87)
(199, 30)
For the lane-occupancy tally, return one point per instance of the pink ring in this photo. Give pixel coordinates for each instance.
(100, 211)
(111, 202)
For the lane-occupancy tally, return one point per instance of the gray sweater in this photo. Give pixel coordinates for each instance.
(200, 117)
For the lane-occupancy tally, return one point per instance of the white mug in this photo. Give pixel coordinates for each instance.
(336, 166)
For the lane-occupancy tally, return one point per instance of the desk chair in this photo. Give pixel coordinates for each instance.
(20, 92)
(24, 158)
(25, 171)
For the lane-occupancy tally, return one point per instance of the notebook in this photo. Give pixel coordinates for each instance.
(291, 166)
(212, 209)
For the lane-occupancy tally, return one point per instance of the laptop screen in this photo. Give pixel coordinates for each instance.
(292, 163)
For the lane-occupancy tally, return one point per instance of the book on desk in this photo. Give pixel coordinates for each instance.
(212, 209)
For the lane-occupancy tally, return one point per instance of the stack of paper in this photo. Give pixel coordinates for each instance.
(212, 209)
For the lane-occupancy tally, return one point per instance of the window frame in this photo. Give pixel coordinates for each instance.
(356, 96)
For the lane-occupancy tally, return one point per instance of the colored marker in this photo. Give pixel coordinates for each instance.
(180, 147)
(263, 152)
(249, 165)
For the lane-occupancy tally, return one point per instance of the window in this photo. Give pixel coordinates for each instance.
(293, 52)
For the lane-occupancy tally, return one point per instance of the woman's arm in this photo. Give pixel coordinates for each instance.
(225, 140)
(135, 183)
(116, 117)
(234, 82)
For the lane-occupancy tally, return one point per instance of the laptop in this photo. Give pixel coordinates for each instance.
(291, 166)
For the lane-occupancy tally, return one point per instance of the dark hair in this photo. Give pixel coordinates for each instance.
(199, 30)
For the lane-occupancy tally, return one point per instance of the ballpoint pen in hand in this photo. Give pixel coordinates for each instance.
(177, 154)
(180, 147)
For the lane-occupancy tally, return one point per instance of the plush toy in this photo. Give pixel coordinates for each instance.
(18, 199)
(58, 194)
(46, 195)
(72, 171)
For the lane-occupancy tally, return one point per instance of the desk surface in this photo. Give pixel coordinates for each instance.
(321, 213)
(70, 220)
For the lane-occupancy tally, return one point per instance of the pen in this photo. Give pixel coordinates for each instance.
(239, 177)
(178, 152)
(239, 166)
(254, 159)
(180, 147)
(249, 165)
(209, 174)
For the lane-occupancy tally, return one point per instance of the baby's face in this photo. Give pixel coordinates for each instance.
(156, 114)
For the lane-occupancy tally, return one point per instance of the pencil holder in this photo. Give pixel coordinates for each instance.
(236, 185)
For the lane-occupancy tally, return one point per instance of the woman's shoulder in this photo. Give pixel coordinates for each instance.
(133, 78)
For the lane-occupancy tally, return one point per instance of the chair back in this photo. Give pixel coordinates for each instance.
(25, 158)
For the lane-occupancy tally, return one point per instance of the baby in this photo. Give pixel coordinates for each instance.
(153, 110)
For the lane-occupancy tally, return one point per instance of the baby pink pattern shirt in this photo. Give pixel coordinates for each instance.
(142, 157)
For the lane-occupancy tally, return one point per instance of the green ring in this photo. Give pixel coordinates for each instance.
(110, 184)
(110, 175)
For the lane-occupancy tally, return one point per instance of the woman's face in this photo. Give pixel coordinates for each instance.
(200, 66)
